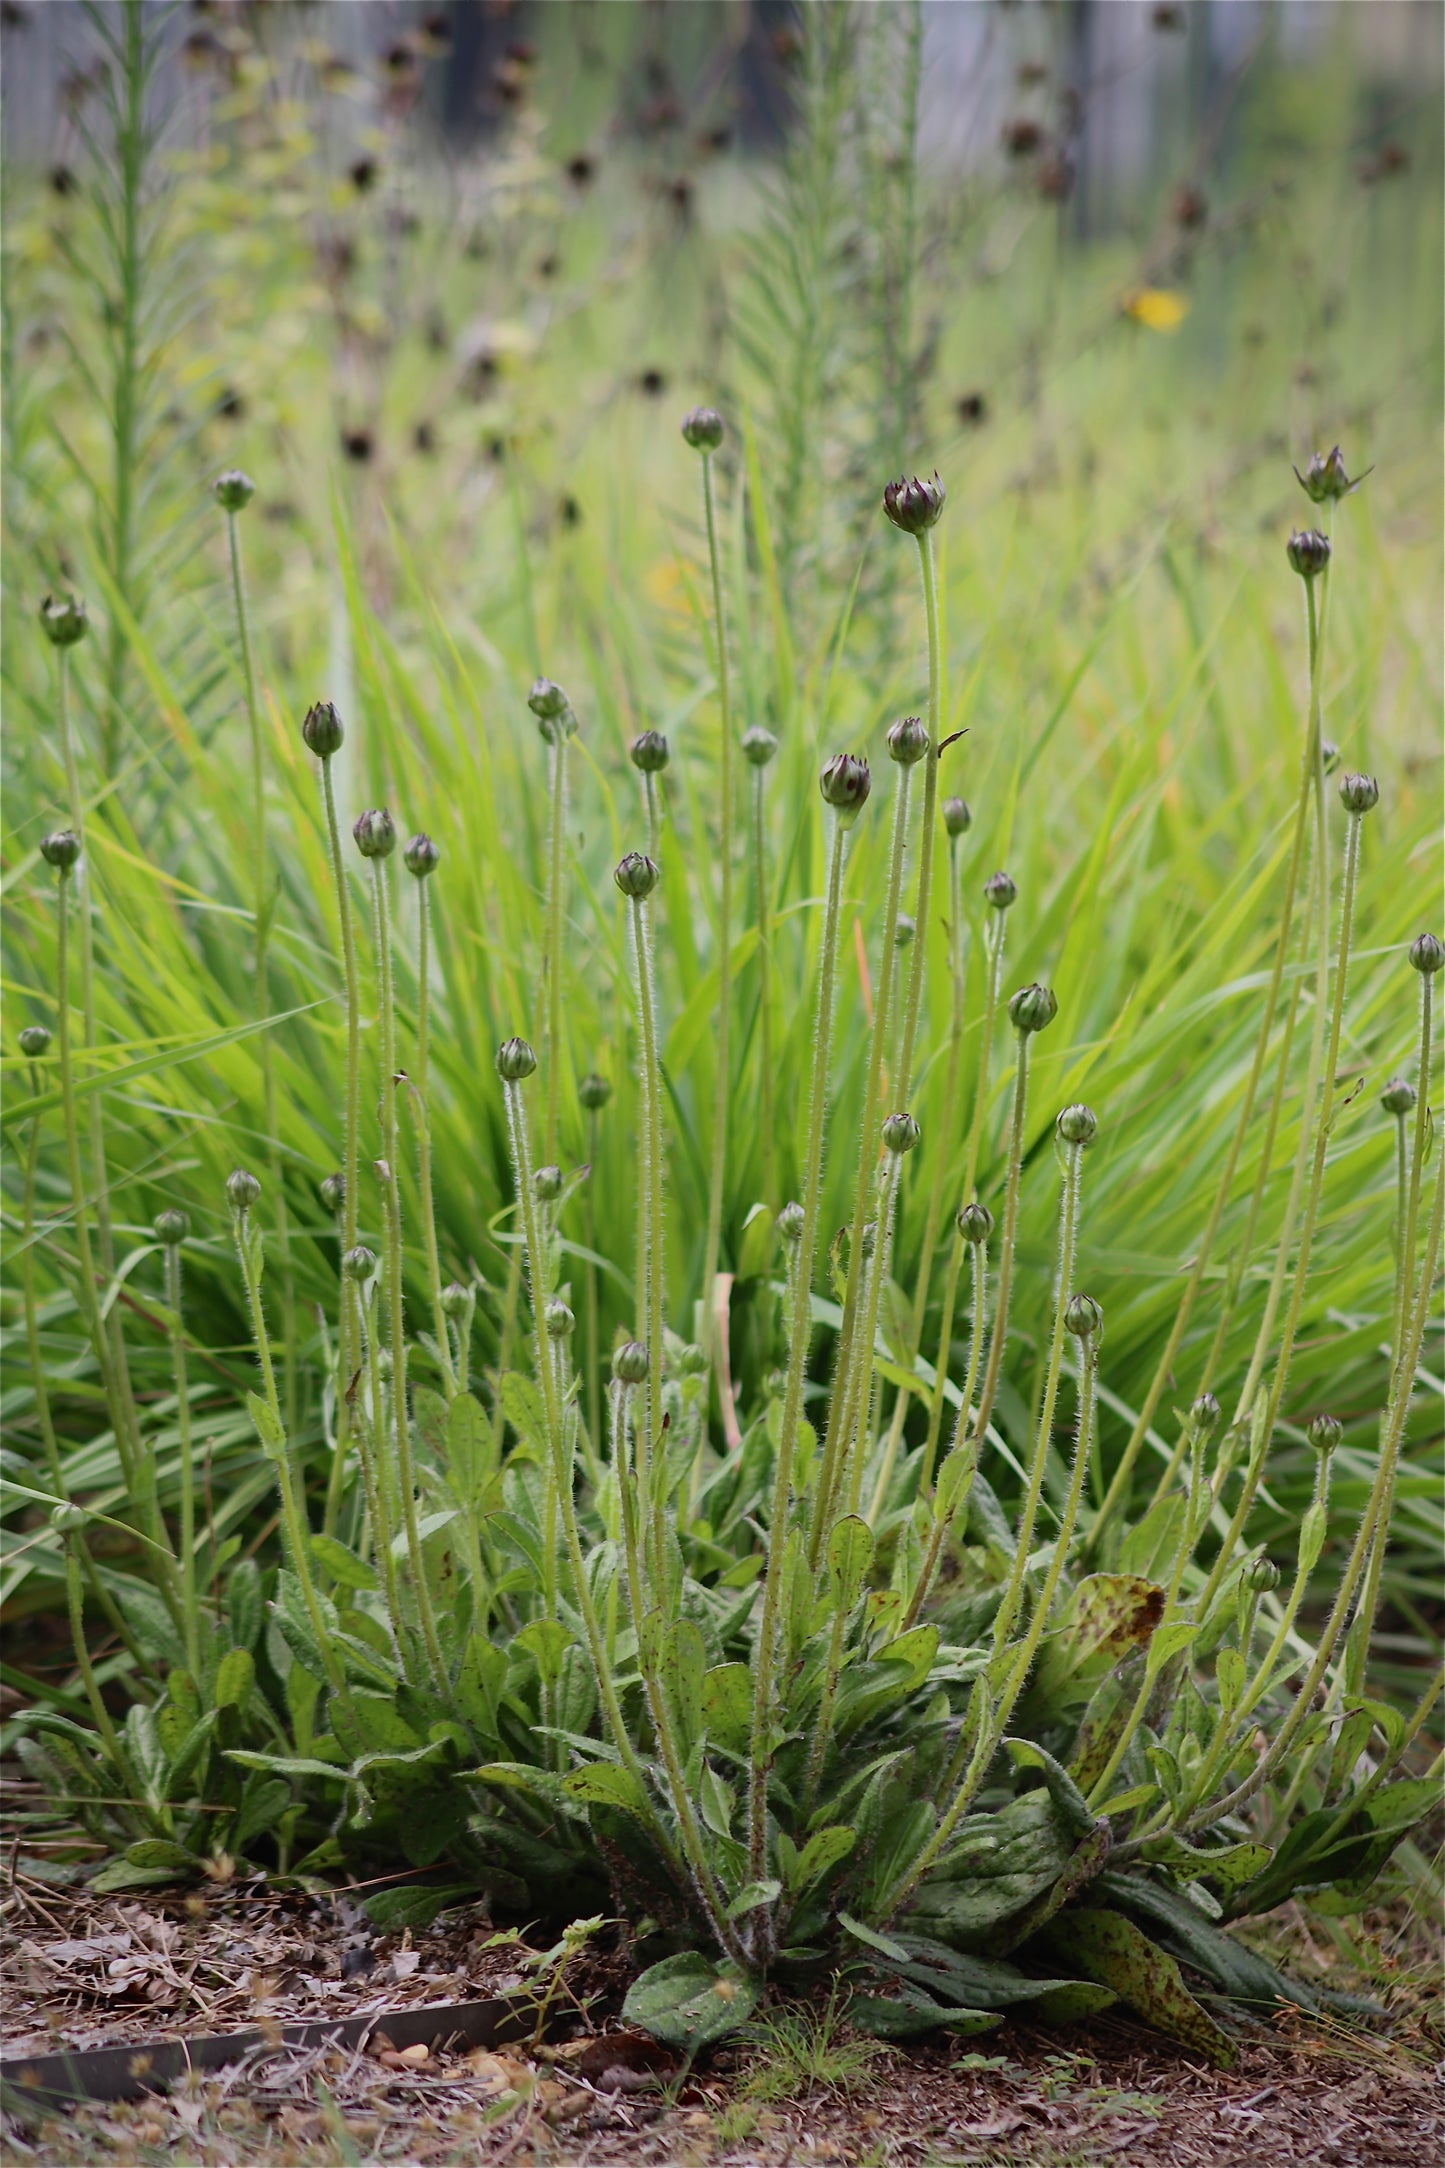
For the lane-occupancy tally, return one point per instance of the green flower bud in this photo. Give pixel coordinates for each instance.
(1427, 953)
(515, 1060)
(900, 1133)
(907, 741)
(904, 931)
(845, 784)
(332, 1190)
(35, 1040)
(1204, 1415)
(61, 849)
(456, 1299)
(914, 506)
(1077, 1125)
(547, 1184)
(649, 752)
(975, 1222)
(1325, 479)
(68, 1520)
(790, 1222)
(1033, 1008)
(64, 619)
(702, 428)
(630, 1363)
(375, 833)
(552, 709)
(559, 1320)
(594, 1091)
(957, 816)
(1083, 1317)
(1329, 755)
(1262, 1576)
(421, 856)
(1359, 793)
(692, 1361)
(242, 1190)
(1324, 1432)
(322, 729)
(1308, 553)
(1398, 1097)
(636, 875)
(1000, 892)
(358, 1263)
(233, 490)
(759, 746)
(171, 1228)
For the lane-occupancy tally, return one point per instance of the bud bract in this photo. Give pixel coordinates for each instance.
(322, 729)
(1427, 952)
(1204, 1415)
(759, 746)
(845, 784)
(900, 1133)
(907, 740)
(559, 1320)
(702, 428)
(456, 1299)
(1083, 1317)
(64, 619)
(594, 1091)
(999, 891)
(375, 833)
(957, 816)
(171, 1228)
(1308, 553)
(242, 1190)
(649, 752)
(914, 506)
(975, 1222)
(35, 1040)
(359, 1263)
(421, 856)
(67, 1519)
(1324, 1432)
(61, 849)
(1325, 479)
(552, 709)
(1078, 1125)
(630, 1363)
(1329, 755)
(1262, 1576)
(1033, 1008)
(692, 1360)
(515, 1060)
(1398, 1097)
(332, 1191)
(1359, 793)
(905, 928)
(233, 490)
(636, 875)
(790, 1222)
(547, 1184)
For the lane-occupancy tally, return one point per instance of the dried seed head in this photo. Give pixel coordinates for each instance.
(1324, 1433)
(322, 729)
(35, 1040)
(1262, 1576)
(1033, 1008)
(1204, 1416)
(547, 1184)
(375, 833)
(1427, 952)
(552, 709)
(1077, 1125)
(636, 875)
(845, 784)
(594, 1091)
(1308, 553)
(61, 849)
(233, 490)
(1398, 1097)
(904, 931)
(64, 619)
(914, 506)
(629, 1363)
(759, 746)
(561, 1324)
(421, 856)
(649, 752)
(515, 1060)
(1000, 891)
(1359, 793)
(1083, 1317)
(790, 1222)
(456, 1299)
(242, 1190)
(907, 741)
(1325, 479)
(171, 1228)
(702, 428)
(975, 1222)
(359, 1263)
(332, 1191)
(900, 1133)
(957, 816)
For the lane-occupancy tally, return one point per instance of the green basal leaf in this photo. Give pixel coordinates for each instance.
(235, 1677)
(1111, 1950)
(158, 1855)
(688, 2003)
(342, 1565)
(606, 1784)
(416, 1905)
(752, 1896)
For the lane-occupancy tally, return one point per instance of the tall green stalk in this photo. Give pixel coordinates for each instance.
(421, 856)
(171, 1227)
(323, 732)
(722, 1091)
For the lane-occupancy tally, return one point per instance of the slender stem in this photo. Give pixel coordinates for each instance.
(590, 1323)
(1397, 1303)
(75, 1604)
(555, 902)
(1422, 1131)
(763, 914)
(722, 1091)
(799, 1335)
(372, 1459)
(421, 1107)
(347, 1353)
(1008, 1236)
(653, 803)
(855, 1446)
(655, 1265)
(960, 1443)
(930, 802)
(188, 1466)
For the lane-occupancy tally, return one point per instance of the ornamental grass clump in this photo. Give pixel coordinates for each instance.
(773, 1668)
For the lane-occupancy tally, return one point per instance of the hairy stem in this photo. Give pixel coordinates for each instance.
(348, 1349)
(421, 1104)
(723, 1081)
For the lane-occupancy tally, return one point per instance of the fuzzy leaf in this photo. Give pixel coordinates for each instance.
(1110, 1949)
(688, 2002)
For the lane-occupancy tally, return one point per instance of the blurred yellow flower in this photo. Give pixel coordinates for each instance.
(1157, 307)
